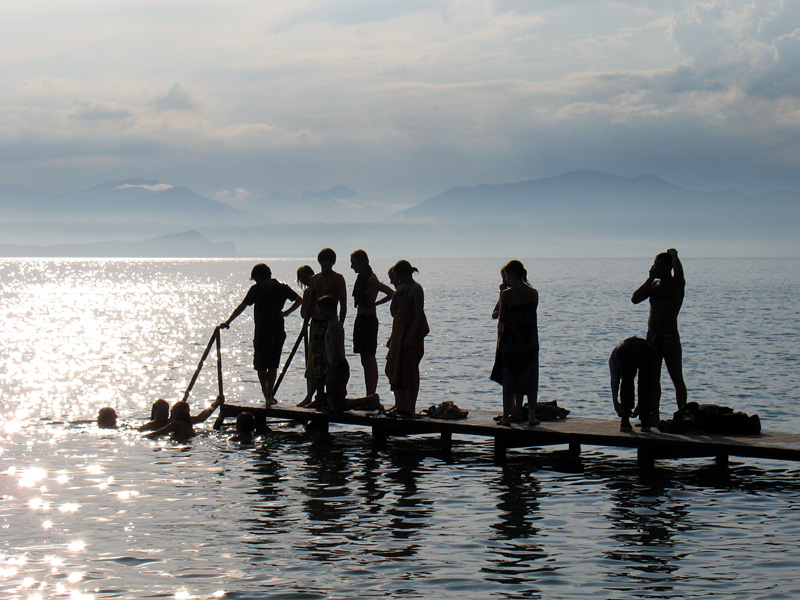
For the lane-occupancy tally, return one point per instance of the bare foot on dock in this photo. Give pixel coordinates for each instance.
(306, 402)
(375, 403)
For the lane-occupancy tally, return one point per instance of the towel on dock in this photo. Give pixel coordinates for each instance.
(711, 418)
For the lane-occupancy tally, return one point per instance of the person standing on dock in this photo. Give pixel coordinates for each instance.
(365, 329)
(304, 276)
(516, 365)
(407, 341)
(268, 297)
(325, 283)
(631, 356)
(664, 287)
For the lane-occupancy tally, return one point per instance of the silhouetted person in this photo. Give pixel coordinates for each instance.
(268, 297)
(245, 426)
(304, 276)
(334, 390)
(517, 358)
(365, 330)
(630, 357)
(160, 414)
(325, 283)
(665, 289)
(407, 341)
(179, 424)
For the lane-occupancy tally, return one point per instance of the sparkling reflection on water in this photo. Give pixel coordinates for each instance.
(86, 513)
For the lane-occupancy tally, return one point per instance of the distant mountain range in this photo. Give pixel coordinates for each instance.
(339, 204)
(135, 200)
(190, 244)
(581, 213)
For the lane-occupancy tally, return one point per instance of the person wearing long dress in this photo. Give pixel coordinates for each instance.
(407, 340)
(516, 365)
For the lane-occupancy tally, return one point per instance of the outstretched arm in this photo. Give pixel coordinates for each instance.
(236, 312)
(204, 414)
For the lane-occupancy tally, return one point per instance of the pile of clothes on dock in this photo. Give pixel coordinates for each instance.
(711, 418)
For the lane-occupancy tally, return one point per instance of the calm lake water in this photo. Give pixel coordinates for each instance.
(92, 514)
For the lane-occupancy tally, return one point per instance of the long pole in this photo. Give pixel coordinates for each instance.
(219, 360)
(291, 354)
(214, 338)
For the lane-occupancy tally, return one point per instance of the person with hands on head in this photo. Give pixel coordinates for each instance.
(665, 287)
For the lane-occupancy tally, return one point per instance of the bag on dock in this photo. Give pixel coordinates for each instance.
(550, 411)
(446, 410)
(711, 418)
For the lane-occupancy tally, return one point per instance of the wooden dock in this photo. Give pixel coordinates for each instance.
(572, 431)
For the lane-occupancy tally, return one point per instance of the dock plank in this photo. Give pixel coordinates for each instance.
(572, 431)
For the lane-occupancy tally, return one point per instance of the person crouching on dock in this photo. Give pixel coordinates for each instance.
(630, 356)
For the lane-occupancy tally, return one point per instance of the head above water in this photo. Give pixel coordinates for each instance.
(180, 412)
(245, 423)
(107, 418)
(261, 272)
(160, 410)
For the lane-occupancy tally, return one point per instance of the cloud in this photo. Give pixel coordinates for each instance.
(177, 98)
(159, 187)
(237, 198)
(401, 98)
(98, 111)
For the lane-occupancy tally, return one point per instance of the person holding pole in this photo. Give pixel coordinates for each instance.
(268, 297)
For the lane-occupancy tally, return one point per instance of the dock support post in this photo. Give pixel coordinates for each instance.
(317, 426)
(379, 438)
(499, 450)
(575, 449)
(721, 460)
(646, 459)
(447, 440)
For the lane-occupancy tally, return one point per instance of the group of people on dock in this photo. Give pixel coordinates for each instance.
(516, 365)
(323, 307)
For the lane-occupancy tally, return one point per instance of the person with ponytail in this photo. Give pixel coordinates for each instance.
(407, 341)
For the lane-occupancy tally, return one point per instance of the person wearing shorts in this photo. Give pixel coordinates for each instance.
(267, 297)
(365, 330)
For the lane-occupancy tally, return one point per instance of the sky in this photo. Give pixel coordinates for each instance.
(397, 99)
